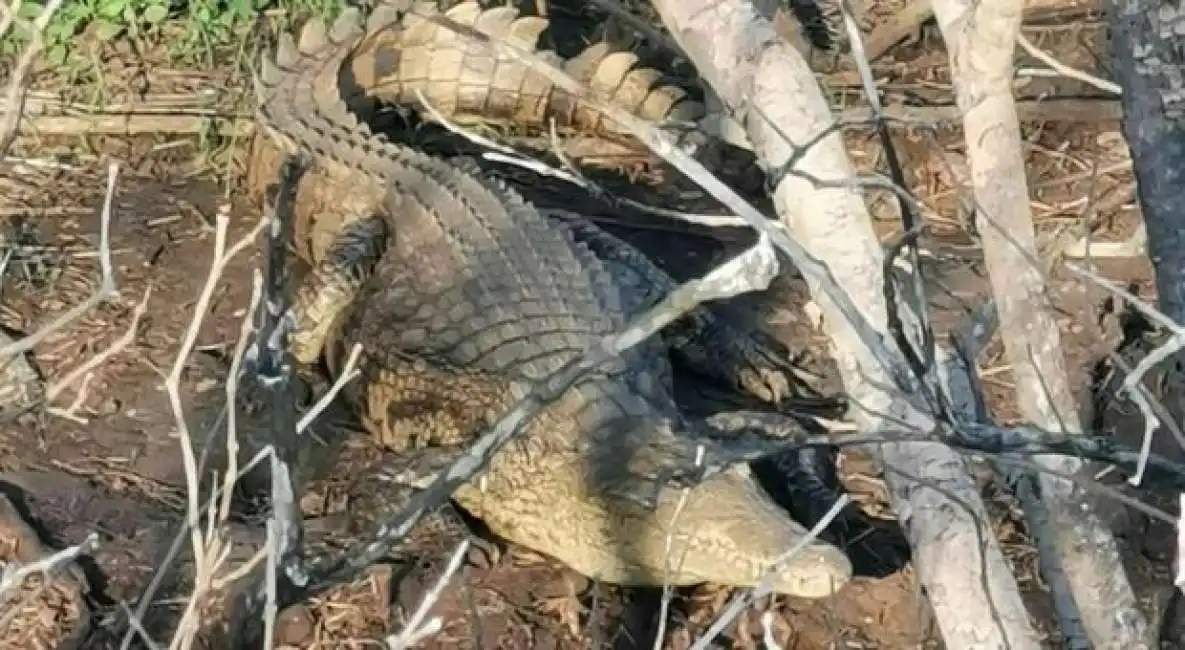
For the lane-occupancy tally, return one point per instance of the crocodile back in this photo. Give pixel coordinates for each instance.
(474, 277)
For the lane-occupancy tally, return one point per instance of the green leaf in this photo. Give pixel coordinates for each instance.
(153, 14)
(111, 9)
(29, 10)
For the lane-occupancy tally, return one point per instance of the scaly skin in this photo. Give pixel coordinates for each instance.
(474, 296)
(404, 54)
(471, 85)
(468, 84)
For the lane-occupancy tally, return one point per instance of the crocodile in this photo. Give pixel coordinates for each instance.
(464, 295)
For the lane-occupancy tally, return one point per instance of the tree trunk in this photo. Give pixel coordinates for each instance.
(980, 39)
(1149, 65)
(772, 91)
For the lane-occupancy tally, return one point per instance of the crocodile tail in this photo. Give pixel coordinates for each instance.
(301, 80)
(300, 108)
(467, 83)
(617, 78)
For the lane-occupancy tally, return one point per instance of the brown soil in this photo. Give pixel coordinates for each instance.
(112, 467)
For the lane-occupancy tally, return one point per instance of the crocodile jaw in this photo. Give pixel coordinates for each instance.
(727, 532)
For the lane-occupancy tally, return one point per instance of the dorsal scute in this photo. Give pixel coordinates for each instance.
(269, 74)
(636, 86)
(313, 37)
(465, 13)
(611, 72)
(584, 65)
(661, 102)
(525, 31)
(495, 22)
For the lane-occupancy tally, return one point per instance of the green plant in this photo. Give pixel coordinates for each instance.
(108, 18)
(202, 26)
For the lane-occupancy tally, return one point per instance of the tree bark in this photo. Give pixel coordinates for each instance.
(772, 91)
(980, 39)
(1149, 65)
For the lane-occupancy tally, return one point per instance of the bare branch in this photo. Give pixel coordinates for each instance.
(14, 95)
(13, 575)
(416, 629)
(347, 374)
(981, 40)
(744, 599)
(775, 95)
(120, 344)
(1063, 69)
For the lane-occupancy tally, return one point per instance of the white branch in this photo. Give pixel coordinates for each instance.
(750, 69)
(981, 38)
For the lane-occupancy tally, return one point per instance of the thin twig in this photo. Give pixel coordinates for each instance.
(668, 590)
(1065, 70)
(13, 576)
(120, 344)
(348, 373)
(766, 586)
(271, 607)
(232, 392)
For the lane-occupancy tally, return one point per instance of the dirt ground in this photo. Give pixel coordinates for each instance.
(107, 462)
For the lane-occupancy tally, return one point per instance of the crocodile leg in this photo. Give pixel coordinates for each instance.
(334, 283)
